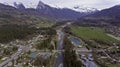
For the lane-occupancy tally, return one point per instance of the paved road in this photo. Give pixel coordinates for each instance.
(11, 58)
(22, 49)
(117, 38)
(109, 56)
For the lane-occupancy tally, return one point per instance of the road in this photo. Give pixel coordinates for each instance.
(117, 38)
(13, 56)
(21, 49)
(109, 56)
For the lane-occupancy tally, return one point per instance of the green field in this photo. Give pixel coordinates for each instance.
(114, 65)
(45, 24)
(89, 33)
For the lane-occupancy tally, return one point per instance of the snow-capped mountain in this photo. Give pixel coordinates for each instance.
(106, 16)
(57, 13)
(41, 5)
(19, 5)
(85, 9)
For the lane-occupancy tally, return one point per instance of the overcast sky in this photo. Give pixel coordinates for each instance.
(99, 4)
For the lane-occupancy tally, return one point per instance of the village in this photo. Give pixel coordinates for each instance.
(24, 53)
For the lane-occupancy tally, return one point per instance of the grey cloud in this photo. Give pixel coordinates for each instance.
(100, 4)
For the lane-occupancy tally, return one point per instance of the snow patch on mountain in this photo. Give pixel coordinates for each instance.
(84, 9)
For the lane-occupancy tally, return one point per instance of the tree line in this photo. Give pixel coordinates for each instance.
(70, 58)
(12, 32)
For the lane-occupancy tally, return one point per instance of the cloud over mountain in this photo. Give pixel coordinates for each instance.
(68, 3)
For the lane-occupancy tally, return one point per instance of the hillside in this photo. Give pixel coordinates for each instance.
(57, 13)
(106, 16)
(11, 15)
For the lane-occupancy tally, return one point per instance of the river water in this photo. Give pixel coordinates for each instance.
(75, 41)
(88, 62)
(59, 60)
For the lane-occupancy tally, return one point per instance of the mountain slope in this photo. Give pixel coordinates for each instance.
(11, 15)
(19, 5)
(47, 11)
(109, 16)
(85, 9)
(110, 12)
(57, 13)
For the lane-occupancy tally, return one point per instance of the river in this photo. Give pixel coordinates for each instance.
(60, 60)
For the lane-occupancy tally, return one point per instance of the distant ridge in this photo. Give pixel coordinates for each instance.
(109, 16)
(57, 13)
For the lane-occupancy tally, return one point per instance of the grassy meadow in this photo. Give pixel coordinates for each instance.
(45, 24)
(89, 33)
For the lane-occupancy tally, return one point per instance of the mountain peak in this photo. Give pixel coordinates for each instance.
(19, 5)
(117, 6)
(41, 5)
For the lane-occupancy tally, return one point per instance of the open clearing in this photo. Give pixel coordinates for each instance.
(45, 24)
(89, 33)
